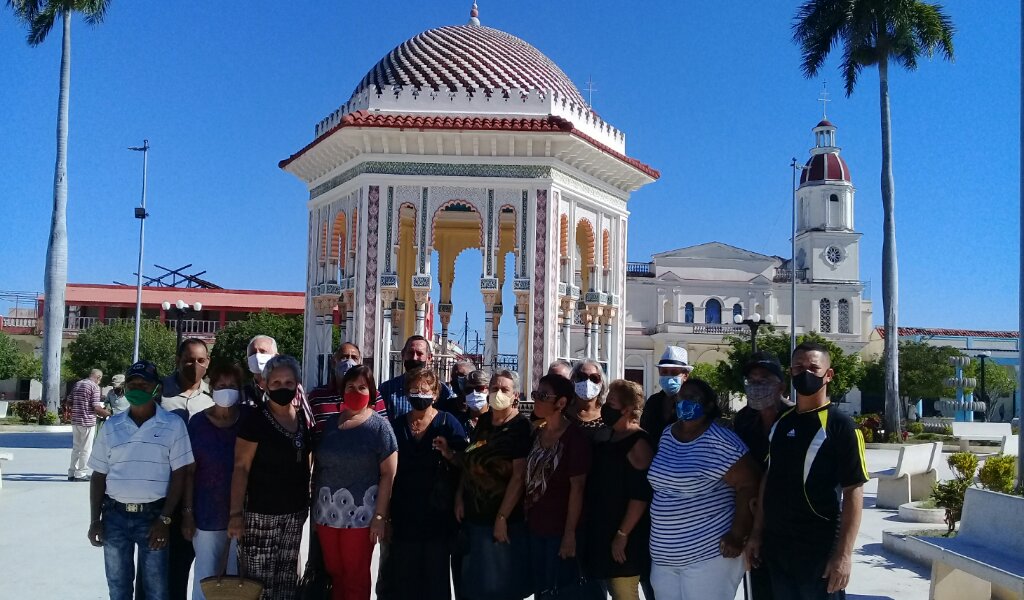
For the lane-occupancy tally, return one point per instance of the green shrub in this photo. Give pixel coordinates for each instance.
(916, 428)
(950, 494)
(50, 418)
(869, 435)
(947, 430)
(998, 473)
(30, 411)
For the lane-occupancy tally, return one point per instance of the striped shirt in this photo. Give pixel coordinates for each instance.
(138, 461)
(692, 506)
(85, 397)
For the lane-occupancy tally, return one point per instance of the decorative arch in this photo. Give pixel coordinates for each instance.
(688, 313)
(586, 240)
(563, 228)
(737, 309)
(338, 239)
(606, 242)
(507, 209)
(713, 311)
(453, 206)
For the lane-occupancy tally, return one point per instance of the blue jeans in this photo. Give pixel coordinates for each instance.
(553, 576)
(493, 571)
(122, 532)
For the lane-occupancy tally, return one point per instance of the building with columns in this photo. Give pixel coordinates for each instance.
(467, 138)
(688, 297)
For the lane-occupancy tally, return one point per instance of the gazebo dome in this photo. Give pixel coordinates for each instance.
(468, 57)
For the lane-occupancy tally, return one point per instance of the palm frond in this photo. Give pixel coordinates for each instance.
(93, 11)
(25, 10)
(43, 22)
(818, 28)
(933, 29)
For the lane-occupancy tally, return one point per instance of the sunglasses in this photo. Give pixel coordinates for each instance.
(539, 396)
(594, 377)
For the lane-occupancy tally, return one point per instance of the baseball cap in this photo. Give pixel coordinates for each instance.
(764, 360)
(117, 380)
(144, 369)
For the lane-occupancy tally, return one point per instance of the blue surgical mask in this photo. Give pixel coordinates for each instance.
(689, 410)
(671, 383)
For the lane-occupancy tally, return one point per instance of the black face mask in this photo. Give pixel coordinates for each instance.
(807, 383)
(420, 403)
(282, 396)
(610, 416)
(458, 382)
(412, 364)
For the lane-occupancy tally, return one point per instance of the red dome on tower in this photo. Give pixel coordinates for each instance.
(822, 168)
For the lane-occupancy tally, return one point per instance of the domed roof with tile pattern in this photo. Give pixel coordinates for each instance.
(468, 57)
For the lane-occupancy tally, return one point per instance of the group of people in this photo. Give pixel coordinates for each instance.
(598, 491)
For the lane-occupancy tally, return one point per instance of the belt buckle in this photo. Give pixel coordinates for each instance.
(133, 508)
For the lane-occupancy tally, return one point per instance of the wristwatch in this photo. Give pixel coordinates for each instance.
(164, 519)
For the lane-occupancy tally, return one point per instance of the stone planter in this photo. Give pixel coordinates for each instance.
(914, 512)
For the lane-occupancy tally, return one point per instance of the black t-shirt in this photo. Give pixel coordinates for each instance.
(279, 474)
(653, 419)
(487, 466)
(747, 425)
(812, 456)
(422, 502)
(456, 406)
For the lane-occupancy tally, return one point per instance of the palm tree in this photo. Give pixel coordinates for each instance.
(39, 16)
(873, 33)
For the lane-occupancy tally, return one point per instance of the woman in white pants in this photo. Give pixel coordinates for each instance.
(703, 481)
(207, 499)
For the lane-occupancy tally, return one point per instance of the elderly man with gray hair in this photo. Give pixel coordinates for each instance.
(258, 353)
(86, 405)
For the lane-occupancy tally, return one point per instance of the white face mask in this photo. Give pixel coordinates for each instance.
(476, 400)
(258, 361)
(226, 397)
(499, 400)
(587, 389)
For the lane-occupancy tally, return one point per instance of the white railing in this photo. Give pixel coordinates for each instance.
(79, 323)
(196, 326)
(19, 322)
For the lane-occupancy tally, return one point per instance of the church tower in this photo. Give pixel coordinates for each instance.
(827, 245)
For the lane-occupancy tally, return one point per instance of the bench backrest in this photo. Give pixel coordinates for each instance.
(981, 430)
(993, 520)
(915, 459)
(1011, 445)
(936, 456)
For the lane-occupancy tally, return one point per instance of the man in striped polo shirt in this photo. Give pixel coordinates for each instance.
(139, 464)
(86, 404)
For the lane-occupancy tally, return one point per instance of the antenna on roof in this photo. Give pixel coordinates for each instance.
(823, 98)
(474, 15)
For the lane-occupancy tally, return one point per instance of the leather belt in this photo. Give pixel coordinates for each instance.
(133, 507)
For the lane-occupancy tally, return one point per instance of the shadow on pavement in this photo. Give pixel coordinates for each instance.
(883, 559)
(35, 440)
(56, 477)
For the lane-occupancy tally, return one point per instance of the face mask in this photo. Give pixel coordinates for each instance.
(689, 410)
(356, 401)
(226, 397)
(139, 397)
(807, 383)
(587, 389)
(499, 400)
(458, 383)
(420, 401)
(282, 396)
(413, 364)
(671, 383)
(258, 361)
(476, 400)
(761, 395)
(342, 367)
(610, 416)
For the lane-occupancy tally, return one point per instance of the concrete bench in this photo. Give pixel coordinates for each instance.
(984, 559)
(992, 432)
(4, 456)
(913, 477)
(1010, 445)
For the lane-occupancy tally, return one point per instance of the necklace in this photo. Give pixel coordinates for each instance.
(297, 438)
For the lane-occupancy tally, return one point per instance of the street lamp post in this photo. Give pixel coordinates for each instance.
(180, 309)
(754, 322)
(140, 214)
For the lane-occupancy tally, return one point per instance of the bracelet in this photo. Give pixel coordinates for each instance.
(501, 517)
(621, 533)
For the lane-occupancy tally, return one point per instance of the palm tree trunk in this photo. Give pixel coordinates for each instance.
(57, 250)
(890, 277)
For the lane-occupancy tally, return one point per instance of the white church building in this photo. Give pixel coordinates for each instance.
(688, 297)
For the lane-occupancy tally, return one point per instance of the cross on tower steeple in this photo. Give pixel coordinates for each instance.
(823, 98)
(590, 89)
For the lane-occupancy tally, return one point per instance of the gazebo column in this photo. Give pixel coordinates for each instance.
(565, 347)
(496, 313)
(588, 340)
(489, 290)
(522, 292)
(606, 334)
(421, 295)
(388, 293)
(397, 316)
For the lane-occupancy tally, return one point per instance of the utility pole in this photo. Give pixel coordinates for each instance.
(140, 214)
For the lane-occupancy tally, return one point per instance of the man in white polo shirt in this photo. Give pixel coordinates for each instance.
(139, 464)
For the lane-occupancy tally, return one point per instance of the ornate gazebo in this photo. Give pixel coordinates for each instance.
(466, 138)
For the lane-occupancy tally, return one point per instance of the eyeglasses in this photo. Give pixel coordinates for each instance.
(539, 396)
(593, 377)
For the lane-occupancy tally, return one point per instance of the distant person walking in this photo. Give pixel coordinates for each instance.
(140, 461)
(86, 405)
(116, 401)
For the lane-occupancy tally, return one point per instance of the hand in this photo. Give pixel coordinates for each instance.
(188, 525)
(158, 533)
(568, 547)
(379, 530)
(441, 445)
(619, 548)
(460, 508)
(96, 533)
(837, 571)
(752, 551)
(236, 527)
(730, 545)
(500, 531)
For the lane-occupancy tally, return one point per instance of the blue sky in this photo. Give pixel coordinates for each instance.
(708, 92)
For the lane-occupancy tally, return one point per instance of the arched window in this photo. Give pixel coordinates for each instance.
(737, 310)
(688, 312)
(713, 311)
(834, 198)
(844, 316)
(825, 315)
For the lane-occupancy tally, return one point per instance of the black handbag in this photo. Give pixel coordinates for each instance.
(315, 583)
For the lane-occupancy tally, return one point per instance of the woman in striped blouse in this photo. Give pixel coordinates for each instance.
(703, 481)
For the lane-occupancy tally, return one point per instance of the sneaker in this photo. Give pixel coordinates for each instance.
(86, 478)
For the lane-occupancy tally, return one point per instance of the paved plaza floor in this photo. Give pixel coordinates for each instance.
(45, 554)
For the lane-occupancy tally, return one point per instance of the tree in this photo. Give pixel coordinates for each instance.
(39, 16)
(8, 357)
(873, 33)
(848, 368)
(110, 347)
(233, 340)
